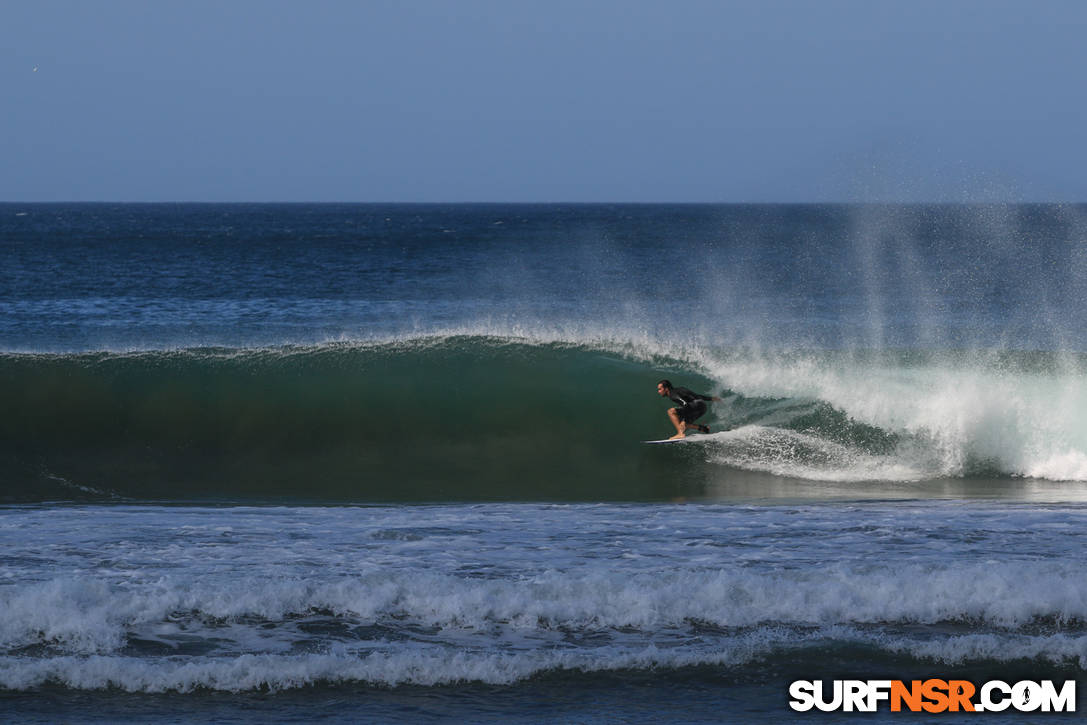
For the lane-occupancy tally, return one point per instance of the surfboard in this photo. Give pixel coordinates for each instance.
(688, 439)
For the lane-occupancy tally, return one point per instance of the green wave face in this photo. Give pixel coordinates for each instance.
(459, 418)
(469, 417)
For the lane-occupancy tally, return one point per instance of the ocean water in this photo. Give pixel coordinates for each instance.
(385, 462)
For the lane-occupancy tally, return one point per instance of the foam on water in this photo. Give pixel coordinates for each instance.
(161, 599)
(951, 417)
(88, 615)
(425, 666)
(431, 666)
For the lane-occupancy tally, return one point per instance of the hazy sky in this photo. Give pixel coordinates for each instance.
(550, 100)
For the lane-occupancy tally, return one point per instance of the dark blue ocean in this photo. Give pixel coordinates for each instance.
(384, 463)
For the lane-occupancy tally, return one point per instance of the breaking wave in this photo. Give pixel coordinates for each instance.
(484, 417)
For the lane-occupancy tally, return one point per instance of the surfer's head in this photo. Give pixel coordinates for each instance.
(664, 387)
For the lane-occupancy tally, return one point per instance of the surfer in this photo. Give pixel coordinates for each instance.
(691, 406)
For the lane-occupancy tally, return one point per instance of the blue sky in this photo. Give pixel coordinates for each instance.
(556, 100)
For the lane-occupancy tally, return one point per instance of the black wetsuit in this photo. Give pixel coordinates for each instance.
(689, 404)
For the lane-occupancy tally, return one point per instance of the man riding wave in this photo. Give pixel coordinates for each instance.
(690, 407)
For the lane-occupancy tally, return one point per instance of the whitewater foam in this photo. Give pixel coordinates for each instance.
(953, 417)
(178, 599)
(90, 615)
(430, 665)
